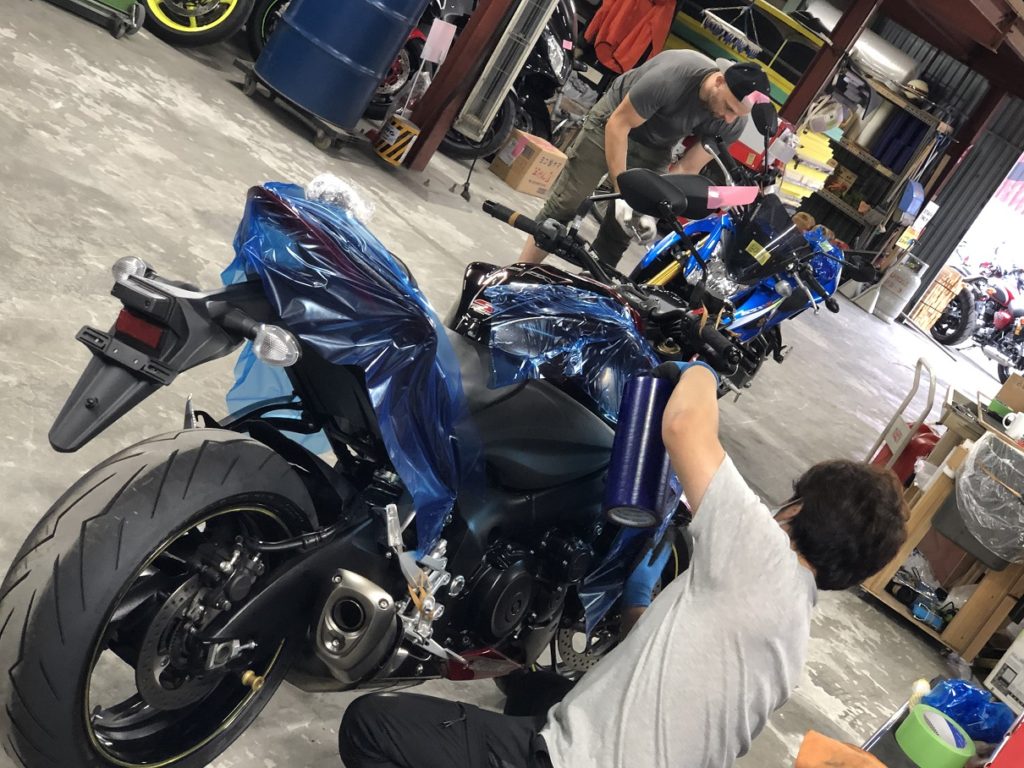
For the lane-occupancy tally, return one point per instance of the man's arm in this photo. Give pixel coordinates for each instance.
(616, 137)
(690, 431)
(693, 160)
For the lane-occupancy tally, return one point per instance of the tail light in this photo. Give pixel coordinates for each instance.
(139, 329)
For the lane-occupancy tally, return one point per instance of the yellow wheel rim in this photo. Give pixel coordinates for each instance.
(157, 9)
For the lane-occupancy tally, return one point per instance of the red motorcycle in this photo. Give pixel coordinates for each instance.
(989, 311)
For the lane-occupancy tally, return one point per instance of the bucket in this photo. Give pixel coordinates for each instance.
(329, 57)
(395, 140)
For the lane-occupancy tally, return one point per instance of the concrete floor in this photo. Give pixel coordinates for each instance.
(111, 148)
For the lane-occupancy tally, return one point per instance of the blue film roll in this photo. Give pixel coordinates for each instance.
(639, 464)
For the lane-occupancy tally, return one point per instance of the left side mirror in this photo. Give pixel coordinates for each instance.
(766, 119)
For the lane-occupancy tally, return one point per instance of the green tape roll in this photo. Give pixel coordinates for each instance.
(933, 740)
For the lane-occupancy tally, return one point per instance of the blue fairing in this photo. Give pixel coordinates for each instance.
(762, 299)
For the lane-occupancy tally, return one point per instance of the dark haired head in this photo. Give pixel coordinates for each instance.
(852, 521)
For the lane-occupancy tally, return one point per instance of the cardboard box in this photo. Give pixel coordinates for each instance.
(1012, 393)
(528, 163)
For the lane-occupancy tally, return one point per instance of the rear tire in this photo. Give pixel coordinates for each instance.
(76, 566)
(1004, 373)
(958, 322)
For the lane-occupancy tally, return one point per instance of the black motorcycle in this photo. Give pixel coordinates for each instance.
(155, 608)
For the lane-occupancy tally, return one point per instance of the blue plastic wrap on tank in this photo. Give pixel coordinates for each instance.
(337, 288)
(561, 331)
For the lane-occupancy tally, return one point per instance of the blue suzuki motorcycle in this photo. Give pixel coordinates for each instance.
(750, 267)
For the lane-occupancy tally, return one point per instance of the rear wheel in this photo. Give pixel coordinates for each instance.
(103, 606)
(188, 23)
(957, 323)
(1004, 373)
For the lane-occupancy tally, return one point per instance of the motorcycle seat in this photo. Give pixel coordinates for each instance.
(1017, 308)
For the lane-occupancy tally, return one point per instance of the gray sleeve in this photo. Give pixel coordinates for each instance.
(736, 540)
(653, 91)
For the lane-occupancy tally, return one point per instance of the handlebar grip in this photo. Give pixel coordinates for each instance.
(726, 157)
(830, 303)
(719, 344)
(510, 217)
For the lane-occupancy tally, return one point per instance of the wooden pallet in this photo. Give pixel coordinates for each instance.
(936, 299)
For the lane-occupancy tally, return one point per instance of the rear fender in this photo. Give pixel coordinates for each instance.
(123, 372)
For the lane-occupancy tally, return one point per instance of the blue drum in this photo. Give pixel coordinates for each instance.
(329, 56)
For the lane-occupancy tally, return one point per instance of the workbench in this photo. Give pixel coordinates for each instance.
(998, 592)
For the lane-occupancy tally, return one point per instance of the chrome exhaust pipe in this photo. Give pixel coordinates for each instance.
(994, 354)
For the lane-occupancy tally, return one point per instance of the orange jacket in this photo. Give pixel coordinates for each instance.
(622, 30)
(819, 751)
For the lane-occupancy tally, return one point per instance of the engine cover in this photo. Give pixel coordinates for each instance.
(503, 595)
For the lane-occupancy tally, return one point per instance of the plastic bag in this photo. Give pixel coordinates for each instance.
(565, 332)
(337, 288)
(987, 485)
(973, 709)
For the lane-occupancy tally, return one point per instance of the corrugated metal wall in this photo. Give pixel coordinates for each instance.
(953, 86)
(971, 187)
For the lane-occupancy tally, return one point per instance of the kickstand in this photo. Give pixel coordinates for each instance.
(465, 187)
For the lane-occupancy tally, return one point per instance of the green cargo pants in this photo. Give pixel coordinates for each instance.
(584, 169)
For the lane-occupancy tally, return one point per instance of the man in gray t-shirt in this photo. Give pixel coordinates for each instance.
(637, 123)
(713, 656)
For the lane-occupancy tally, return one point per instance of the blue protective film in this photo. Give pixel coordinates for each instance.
(561, 331)
(346, 297)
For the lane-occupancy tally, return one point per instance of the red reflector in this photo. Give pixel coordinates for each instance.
(139, 329)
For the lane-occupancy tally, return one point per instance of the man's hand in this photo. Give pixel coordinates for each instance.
(689, 428)
(643, 228)
(616, 138)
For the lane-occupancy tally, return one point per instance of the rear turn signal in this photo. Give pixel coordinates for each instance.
(276, 346)
(129, 266)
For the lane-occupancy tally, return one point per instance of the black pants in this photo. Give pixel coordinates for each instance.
(406, 730)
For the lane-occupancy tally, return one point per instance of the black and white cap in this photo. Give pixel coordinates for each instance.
(744, 78)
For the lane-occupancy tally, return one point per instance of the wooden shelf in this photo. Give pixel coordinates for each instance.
(843, 206)
(904, 612)
(859, 152)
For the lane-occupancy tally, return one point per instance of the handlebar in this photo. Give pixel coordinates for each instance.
(719, 345)
(512, 218)
(830, 303)
(727, 159)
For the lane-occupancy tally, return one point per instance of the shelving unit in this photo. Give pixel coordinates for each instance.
(892, 182)
(862, 154)
(843, 206)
